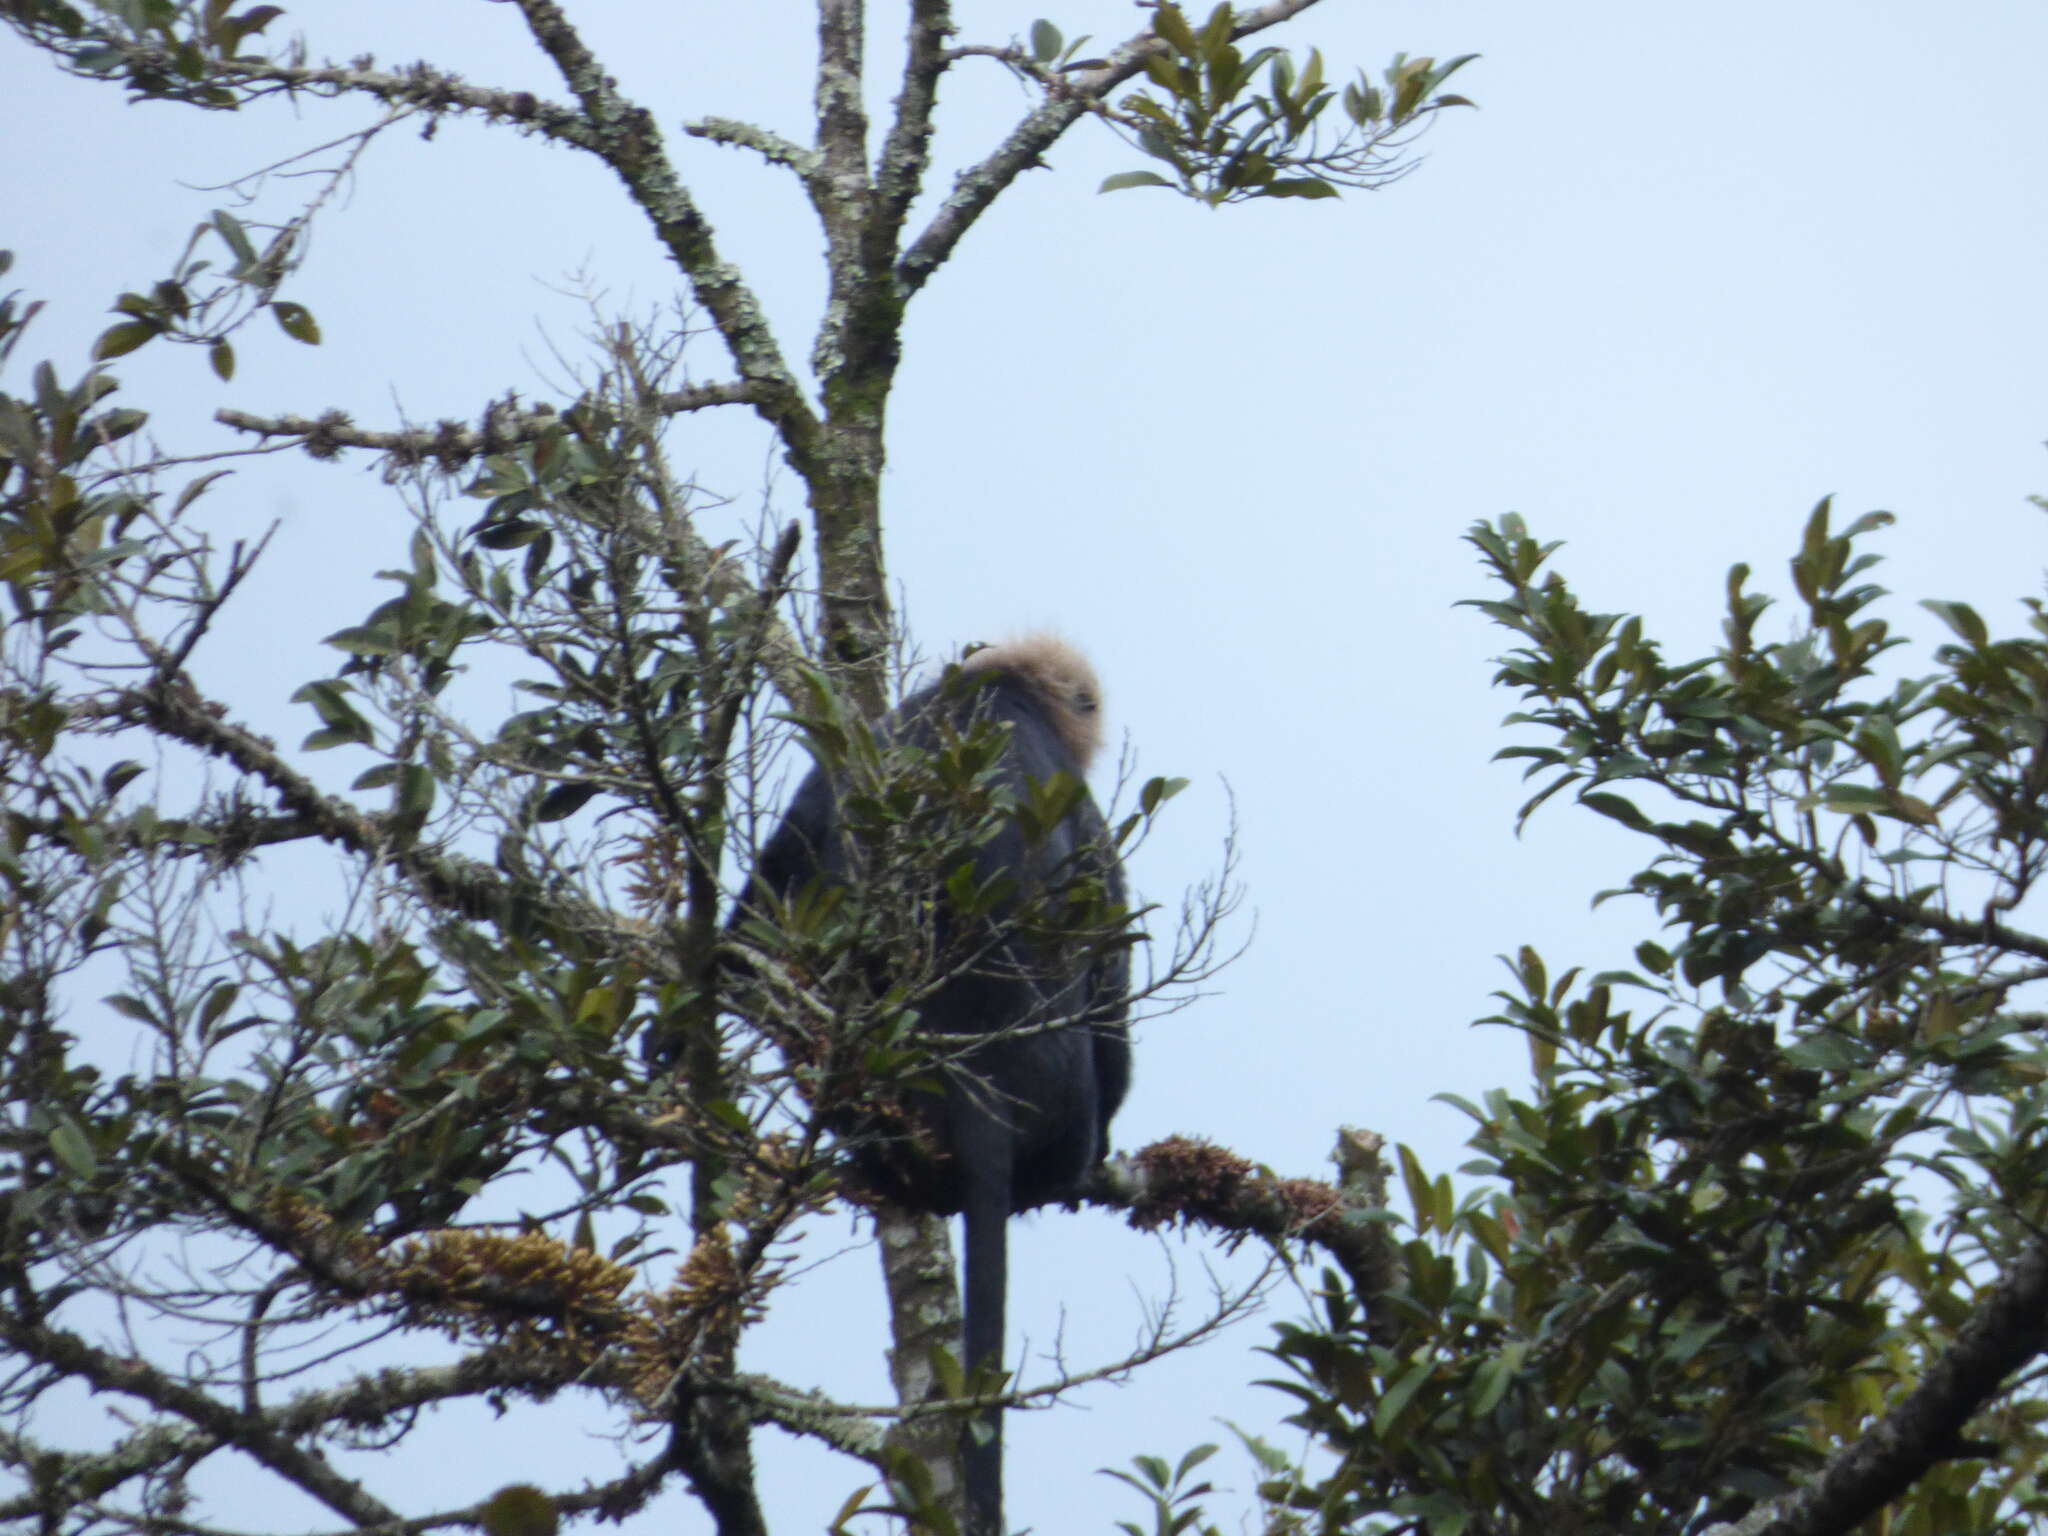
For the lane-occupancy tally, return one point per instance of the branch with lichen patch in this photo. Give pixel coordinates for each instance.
(772, 147)
(364, 1402)
(67, 1353)
(423, 86)
(624, 135)
(450, 444)
(454, 884)
(419, 86)
(1185, 1181)
(906, 154)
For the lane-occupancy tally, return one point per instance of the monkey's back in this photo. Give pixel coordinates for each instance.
(1034, 1101)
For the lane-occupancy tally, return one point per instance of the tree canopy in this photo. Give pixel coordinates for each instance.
(1754, 1248)
(530, 1108)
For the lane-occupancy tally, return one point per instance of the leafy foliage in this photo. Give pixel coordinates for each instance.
(528, 1055)
(1172, 1492)
(1735, 1219)
(156, 48)
(1226, 142)
(537, 977)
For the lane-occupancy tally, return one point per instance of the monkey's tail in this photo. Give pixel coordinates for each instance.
(987, 1283)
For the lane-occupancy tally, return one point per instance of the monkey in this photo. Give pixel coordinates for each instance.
(1022, 1114)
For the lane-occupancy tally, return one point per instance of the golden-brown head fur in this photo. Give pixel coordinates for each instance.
(1059, 675)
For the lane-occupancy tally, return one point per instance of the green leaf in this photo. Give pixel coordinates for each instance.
(415, 792)
(1300, 186)
(1857, 800)
(1824, 1052)
(120, 340)
(1490, 1385)
(1045, 41)
(853, 1506)
(1123, 179)
(1157, 792)
(564, 800)
(218, 1000)
(1619, 808)
(729, 1113)
(131, 1007)
(222, 356)
(74, 1149)
(116, 425)
(236, 28)
(230, 230)
(297, 322)
(342, 724)
(1420, 1196)
(1398, 1396)
(1169, 23)
(510, 535)
(1961, 618)
(364, 640)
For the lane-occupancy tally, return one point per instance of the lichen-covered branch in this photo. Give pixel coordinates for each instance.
(770, 146)
(906, 154)
(420, 86)
(366, 1400)
(454, 884)
(265, 1442)
(1182, 1181)
(924, 1318)
(624, 135)
(451, 444)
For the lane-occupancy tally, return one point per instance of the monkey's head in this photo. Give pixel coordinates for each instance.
(1061, 677)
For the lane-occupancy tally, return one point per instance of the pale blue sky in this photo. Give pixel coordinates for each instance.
(1685, 271)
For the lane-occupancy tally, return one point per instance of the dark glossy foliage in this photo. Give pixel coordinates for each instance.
(1759, 1180)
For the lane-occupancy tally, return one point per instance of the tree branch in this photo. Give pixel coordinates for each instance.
(1925, 1427)
(1029, 140)
(1956, 930)
(772, 147)
(842, 115)
(625, 137)
(457, 885)
(1192, 1182)
(366, 1400)
(924, 1318)
(450, 444)
(906, 153)
(418, 85)
(610, 1502)
(249, 1433)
